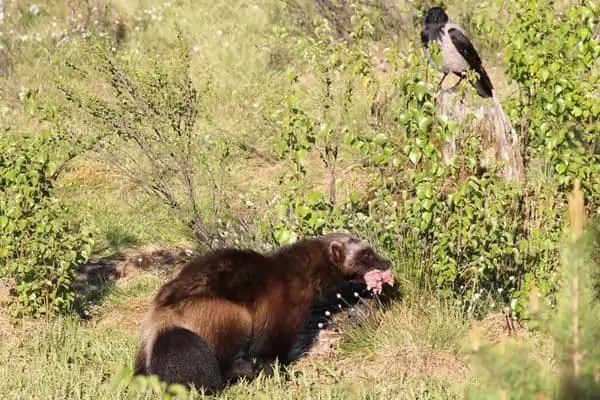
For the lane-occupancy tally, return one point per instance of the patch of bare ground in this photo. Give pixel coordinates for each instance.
(128, 315)
(158, 259)
(161, 260)
(91, 172)
(499, 327)
(501, 332)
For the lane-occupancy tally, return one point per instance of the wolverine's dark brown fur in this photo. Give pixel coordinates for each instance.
(245, 303)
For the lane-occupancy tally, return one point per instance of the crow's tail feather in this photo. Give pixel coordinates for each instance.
(483, 84)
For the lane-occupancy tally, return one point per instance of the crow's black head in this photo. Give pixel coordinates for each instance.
(436, 15)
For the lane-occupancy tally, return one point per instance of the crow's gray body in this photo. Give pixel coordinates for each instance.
(458, 52)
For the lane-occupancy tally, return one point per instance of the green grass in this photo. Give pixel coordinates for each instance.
(119, 215)
(62, 360)
(392, 356)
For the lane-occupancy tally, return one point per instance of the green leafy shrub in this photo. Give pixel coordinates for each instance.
(511, 371)
(155, 128)
(454, 226)
(558, 107)
(42, 243)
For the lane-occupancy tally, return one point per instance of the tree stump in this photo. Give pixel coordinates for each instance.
(495, 127)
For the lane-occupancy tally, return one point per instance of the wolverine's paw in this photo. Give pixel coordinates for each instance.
(239, 369)
(264, 367)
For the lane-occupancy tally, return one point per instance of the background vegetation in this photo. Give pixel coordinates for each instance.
(254, 123)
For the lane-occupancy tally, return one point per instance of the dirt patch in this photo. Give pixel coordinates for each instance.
(499, 327)
(128, 316)
(90, 173)
(158, 259)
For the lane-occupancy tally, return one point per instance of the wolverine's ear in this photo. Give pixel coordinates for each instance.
(336, 253)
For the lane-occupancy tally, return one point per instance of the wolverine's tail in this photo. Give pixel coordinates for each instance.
(181, 356)
(139, 365)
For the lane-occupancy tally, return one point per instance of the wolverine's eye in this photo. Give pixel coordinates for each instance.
(366, 255)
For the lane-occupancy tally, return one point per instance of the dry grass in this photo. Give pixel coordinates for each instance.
(128, 315)
(89, 173)
(398, 350)
(6, 328)
(410, 359)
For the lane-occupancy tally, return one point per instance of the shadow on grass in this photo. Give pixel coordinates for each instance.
(350, 301)
(93, 282)
(96, 278)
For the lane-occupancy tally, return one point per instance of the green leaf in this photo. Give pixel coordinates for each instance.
(425, 125)
(380, 139)
(415, 155)
(302, 156)
(303, 211)
(316, 197)
(427, 204)
(426, 219)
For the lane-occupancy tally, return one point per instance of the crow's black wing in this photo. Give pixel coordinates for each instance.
(467, 50)
(465, 47)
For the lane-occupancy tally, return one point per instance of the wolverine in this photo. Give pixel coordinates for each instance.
(232, 309)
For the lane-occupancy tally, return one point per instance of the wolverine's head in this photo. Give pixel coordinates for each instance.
(356, 259)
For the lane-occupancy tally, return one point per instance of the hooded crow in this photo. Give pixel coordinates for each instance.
(458, 53)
